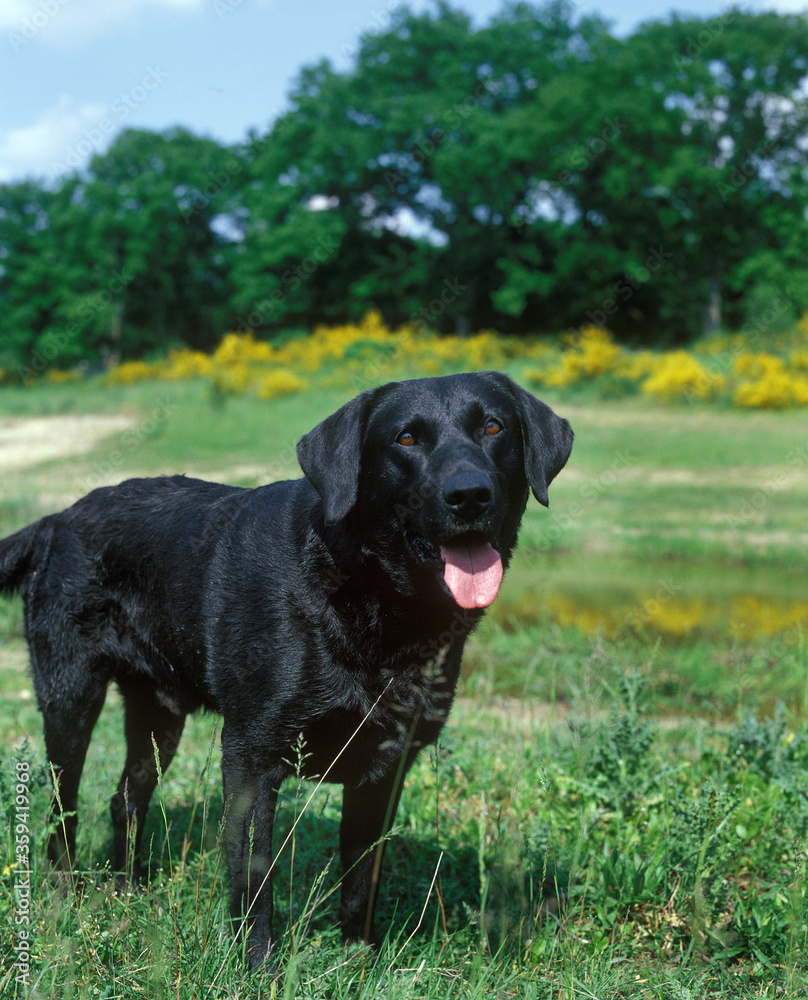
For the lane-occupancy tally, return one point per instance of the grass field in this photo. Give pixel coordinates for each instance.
(628, 740)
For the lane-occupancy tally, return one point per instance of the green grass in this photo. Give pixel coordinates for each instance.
(676, 847)
(647, 779)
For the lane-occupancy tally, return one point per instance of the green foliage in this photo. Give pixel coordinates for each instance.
(519, 859)
(530, 174)
(119, 260)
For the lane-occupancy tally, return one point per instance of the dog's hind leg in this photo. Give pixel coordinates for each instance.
(250, 799)
(69, 718)
(149, 724)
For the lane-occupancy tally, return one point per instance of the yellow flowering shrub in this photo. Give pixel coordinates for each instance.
(240, 364)
(769, 384)
(747, 616)
(585, 355)
(357, 355)
(581, 615)
(678, 375)
(676, 618)
(240, 349)
(352, 342)
(129, 372)
(58, 376)
(234, 379)
(752, 615)
(798, 360)
(279, 383)
(592, 353)
(757, 364)
(636, 365)
(186, 363)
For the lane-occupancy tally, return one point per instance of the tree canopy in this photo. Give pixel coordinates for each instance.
(530, 175)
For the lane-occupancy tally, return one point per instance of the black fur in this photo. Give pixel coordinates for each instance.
(313, 607)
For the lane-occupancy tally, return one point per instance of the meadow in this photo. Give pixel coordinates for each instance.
(619, 806)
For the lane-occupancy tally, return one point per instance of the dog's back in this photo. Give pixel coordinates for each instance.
(114, 582)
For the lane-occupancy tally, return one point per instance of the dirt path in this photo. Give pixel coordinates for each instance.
(26, 441)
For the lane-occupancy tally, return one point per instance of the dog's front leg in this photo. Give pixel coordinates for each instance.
(368, 811)
(250, 801)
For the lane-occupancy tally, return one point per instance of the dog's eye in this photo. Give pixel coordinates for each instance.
(492, 427)
(406, 438)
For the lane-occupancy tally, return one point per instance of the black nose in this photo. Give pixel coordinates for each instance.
(467, 493)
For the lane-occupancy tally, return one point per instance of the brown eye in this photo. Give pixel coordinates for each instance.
(407, 439)
(493, 427)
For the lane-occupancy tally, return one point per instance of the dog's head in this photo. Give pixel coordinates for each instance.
(437, 472)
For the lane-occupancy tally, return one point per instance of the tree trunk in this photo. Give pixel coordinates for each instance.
(462, 325)
(712, 307)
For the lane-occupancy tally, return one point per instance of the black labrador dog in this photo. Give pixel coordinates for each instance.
(333, 607)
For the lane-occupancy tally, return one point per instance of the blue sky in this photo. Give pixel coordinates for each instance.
(73, 73)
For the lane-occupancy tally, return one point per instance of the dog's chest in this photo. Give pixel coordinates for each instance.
(365, 736)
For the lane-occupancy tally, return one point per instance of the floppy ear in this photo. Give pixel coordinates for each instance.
(547, 443)
(329, 456)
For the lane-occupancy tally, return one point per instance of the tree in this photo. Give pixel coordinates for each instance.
(709, 164)
(408, 160)
(532, 174)
(130, 256)
(560, 175)
(161, 204)
(46, 257)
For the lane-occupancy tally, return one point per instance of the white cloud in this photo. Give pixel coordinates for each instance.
(64, 137)
(71, 21)
(786, 6)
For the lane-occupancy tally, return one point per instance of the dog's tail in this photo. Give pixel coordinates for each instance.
(18, 557)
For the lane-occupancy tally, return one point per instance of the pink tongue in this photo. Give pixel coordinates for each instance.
(473, 573)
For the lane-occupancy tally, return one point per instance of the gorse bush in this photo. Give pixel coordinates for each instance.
(730, 369)
(743, 615)
(587, 355)
(352, 355)
(679, 375)
(766, 380)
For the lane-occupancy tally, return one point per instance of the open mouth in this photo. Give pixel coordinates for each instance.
(471, 568)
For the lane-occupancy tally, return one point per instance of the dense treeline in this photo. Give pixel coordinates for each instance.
(533, 174)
